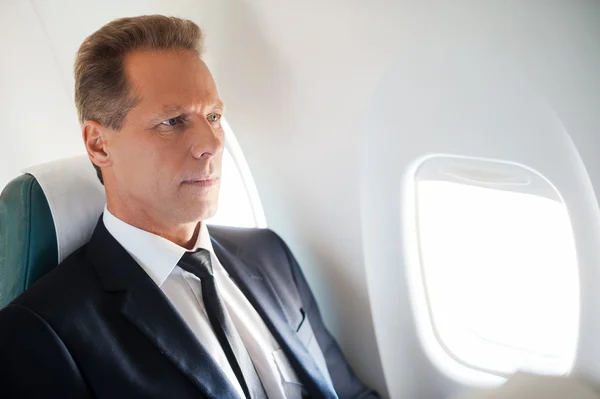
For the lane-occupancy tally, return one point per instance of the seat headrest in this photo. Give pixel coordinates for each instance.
(45, 215)
(76, 199)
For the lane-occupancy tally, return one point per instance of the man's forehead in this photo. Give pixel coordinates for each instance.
(164, 71)
(171, 80)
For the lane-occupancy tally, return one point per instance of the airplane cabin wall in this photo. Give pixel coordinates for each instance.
(507, 81)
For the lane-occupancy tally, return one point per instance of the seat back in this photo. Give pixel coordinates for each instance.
(45, 214)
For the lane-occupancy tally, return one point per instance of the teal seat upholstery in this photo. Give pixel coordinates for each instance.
(28, 246)
(45, 214)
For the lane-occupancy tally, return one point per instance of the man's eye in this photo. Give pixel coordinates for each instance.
(172, 121)
(213, 117)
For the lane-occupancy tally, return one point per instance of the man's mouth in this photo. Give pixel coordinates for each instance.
(201, 182)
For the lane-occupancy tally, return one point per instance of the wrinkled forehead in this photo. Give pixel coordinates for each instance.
(170, 77)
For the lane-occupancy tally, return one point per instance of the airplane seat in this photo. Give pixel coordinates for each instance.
(45, 214)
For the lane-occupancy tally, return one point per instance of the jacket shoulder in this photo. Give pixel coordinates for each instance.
(244, 238)
(259, 245)
(71, 282)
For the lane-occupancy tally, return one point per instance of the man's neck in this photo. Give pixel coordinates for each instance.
(185, 235)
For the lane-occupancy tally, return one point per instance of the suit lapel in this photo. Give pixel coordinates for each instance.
(147, 308)
(256, 287)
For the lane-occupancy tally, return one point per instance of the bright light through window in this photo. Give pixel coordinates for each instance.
(235, 208)
(239, 203)
(500, 275)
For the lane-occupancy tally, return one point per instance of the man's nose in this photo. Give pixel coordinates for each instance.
(206, 141)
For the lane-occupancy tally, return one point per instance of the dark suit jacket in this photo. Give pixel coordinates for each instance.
(97, 326)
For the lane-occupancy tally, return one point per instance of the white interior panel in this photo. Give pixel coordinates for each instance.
(39, 122)
(473, 93)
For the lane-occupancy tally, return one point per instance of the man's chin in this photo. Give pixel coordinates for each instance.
(198, 214)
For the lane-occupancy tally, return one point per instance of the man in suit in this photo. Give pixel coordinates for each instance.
(158, 305)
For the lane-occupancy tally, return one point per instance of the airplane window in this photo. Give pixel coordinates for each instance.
(499, 268)
(239, 205)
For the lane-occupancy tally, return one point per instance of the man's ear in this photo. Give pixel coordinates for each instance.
(95, 138)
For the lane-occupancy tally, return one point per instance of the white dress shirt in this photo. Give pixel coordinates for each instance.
(159, 256)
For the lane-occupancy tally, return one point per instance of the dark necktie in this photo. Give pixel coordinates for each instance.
(198, 263)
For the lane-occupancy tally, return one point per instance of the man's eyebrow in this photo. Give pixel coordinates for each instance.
(171, 108)
(219, 105)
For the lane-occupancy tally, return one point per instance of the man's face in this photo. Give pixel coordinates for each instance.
(166, 159)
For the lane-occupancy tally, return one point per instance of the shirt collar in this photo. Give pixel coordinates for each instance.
(155, 254)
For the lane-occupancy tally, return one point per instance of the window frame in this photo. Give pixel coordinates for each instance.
(429, 336)
(233, 147)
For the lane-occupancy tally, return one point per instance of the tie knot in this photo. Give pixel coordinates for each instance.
(197, 263)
